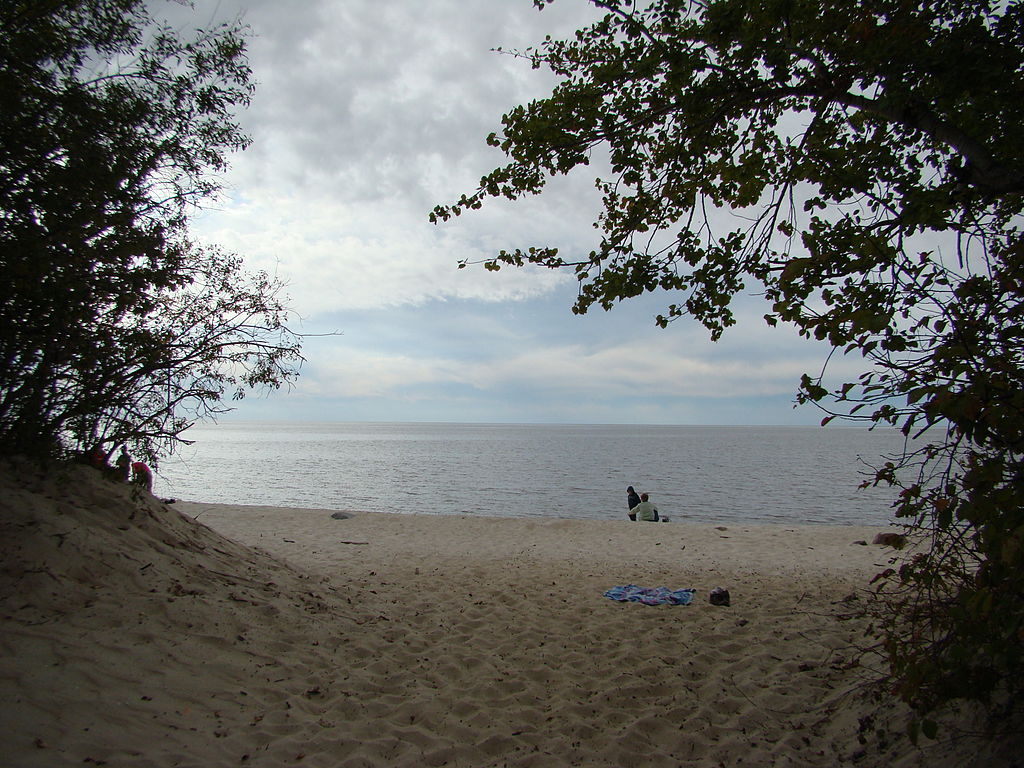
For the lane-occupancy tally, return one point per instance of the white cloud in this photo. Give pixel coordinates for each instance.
(658, 367)
(369, 114)
(348, 256)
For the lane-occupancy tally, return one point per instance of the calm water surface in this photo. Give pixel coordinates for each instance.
(706, 474)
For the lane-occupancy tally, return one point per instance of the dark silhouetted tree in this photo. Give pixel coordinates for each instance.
(113, 326)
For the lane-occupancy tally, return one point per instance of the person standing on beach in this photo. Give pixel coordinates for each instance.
(632, 499)
(645, 511)
(124, 464)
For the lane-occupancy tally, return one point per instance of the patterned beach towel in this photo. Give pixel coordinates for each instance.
(650, 595)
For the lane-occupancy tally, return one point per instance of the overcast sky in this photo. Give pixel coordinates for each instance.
(367, 114)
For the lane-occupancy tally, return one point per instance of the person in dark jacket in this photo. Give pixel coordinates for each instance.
(124, 465)
(632, 499)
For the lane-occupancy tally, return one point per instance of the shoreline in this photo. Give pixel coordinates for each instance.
(722, 477)
(774, 551)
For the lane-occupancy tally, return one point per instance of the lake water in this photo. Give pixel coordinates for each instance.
(789, 475)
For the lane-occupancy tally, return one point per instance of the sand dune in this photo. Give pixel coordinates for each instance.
(142, 634)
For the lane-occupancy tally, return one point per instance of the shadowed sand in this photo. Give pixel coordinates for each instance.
(142, 634)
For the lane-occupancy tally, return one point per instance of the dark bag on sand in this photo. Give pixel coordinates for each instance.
(719, 596)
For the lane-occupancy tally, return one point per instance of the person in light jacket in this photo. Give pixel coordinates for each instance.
(645, 511)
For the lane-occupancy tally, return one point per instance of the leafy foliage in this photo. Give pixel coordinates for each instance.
(859, 164)
(113, 326)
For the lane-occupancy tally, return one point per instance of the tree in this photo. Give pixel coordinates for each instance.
(859, 165)
(113, 326)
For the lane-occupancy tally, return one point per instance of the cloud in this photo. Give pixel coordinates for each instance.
(348, 256)
(390, 354)
(369, 99)
(368, 114)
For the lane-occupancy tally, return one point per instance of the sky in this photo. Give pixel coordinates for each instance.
(366, 115)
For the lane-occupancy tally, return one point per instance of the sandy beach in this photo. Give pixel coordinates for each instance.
(139, 633)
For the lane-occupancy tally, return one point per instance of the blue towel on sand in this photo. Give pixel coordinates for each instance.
(650, 595)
